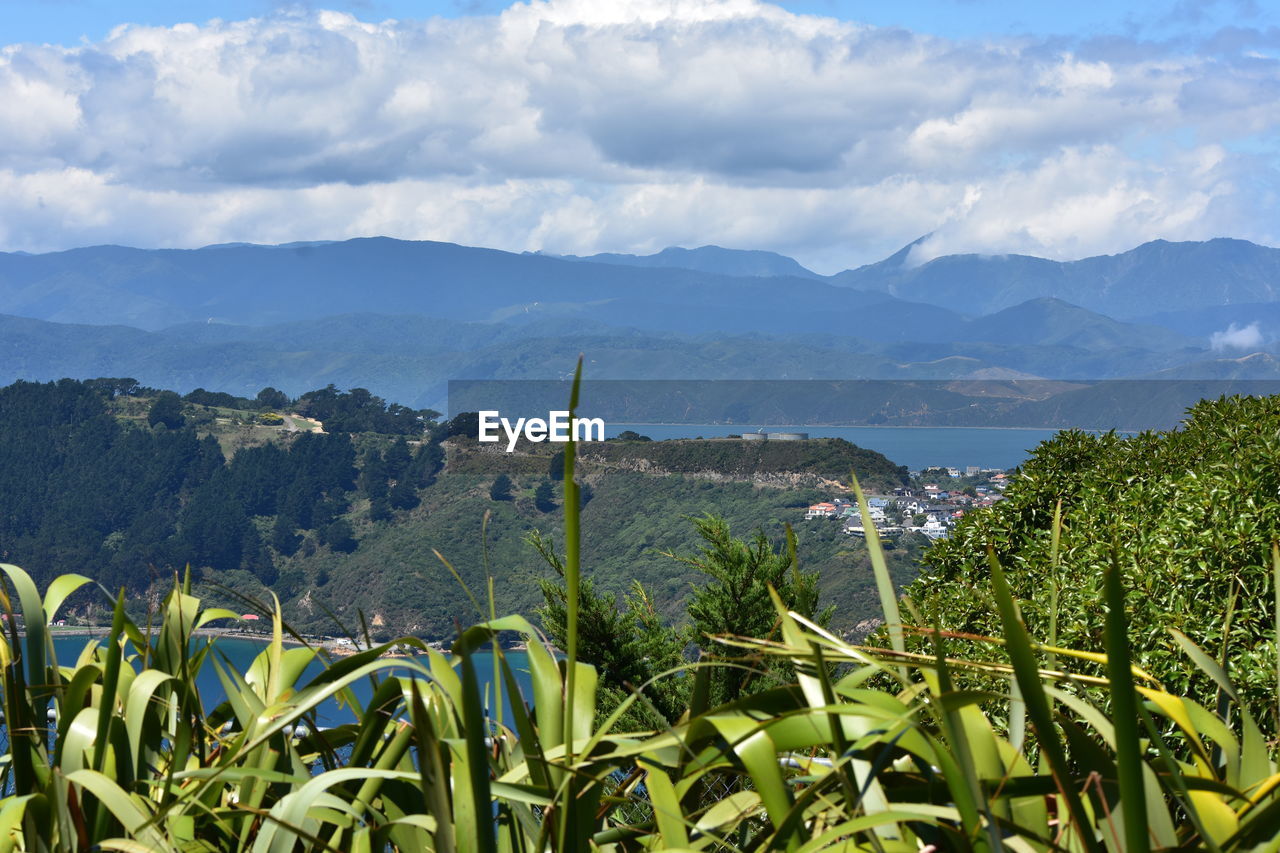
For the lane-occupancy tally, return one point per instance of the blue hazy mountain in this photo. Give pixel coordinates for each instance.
(238, 284)
(889, 300)
(713, 259)
(401, 317)
(1186, 276)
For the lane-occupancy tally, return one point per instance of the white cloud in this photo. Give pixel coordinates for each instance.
(581, 126)
(1237, 337)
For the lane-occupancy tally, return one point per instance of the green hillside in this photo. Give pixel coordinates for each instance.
(129, 485)
(630, 522)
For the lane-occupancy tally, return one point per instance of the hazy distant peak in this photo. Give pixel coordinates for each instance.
(755, 263)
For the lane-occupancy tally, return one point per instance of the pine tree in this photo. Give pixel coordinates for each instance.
(501, 488)
(544, 497)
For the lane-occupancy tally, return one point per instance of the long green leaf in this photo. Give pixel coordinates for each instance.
(1125, 706)
(1041, 717)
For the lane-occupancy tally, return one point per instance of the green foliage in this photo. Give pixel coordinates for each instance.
(501, 488)
(358, 410)
(166, 410)
(338, 535)
(219, 399)
(270, 398)
(633, 649)
(1192, 515)
(821, 458)
(544, 497)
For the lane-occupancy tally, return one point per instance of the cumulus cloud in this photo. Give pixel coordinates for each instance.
(1237, 337)
(579, 126)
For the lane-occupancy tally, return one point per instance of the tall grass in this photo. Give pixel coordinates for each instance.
(882, 749)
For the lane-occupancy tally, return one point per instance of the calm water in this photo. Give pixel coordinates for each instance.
(915, 447)
(240, 654)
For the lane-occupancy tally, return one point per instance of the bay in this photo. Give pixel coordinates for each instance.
(239, 654)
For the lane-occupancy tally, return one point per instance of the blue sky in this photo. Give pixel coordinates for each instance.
(68, 21)
(835, 131)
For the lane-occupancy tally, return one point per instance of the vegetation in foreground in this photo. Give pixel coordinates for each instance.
(1187, 517)
(1017, 744)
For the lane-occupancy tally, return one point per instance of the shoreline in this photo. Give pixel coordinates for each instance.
(336, 646)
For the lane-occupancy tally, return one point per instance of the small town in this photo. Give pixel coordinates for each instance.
(931, 509)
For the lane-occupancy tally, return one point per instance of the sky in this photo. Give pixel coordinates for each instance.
(833, 131)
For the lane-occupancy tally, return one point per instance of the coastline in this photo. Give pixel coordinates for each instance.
(335, 646)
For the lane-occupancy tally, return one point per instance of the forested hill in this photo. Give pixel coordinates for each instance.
(128, 484)
(123, 487)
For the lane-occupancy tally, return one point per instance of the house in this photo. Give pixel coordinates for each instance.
(821, 510)
(933, 528)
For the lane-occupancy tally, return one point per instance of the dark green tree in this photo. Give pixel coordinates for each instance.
(403, 495)
(544, 497)
(631, 646)
(464, 424)
(339, 536)
(270, 398)
(284, 536)
(167, 410)
(380, 509)
(398, 458)
(736, 602)
(501, 488)
(373, 475)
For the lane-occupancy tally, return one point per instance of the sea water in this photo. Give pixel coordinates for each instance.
(239, 653)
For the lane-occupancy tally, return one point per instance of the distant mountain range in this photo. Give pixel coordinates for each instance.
(1173, 276)
(401, 318)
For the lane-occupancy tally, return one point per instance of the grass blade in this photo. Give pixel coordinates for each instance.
(1125, 712)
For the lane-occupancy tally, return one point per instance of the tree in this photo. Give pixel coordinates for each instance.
(284, 537)
(555, 469)
(270, 398)
(464, 424)
(544, 497)
(736, 600)
(338, 535)
(373, 475)
(380, 509)
(398, 458)
(628, 643)
(501, 488)
(167, 410)
(631, 646)
(403, 495)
